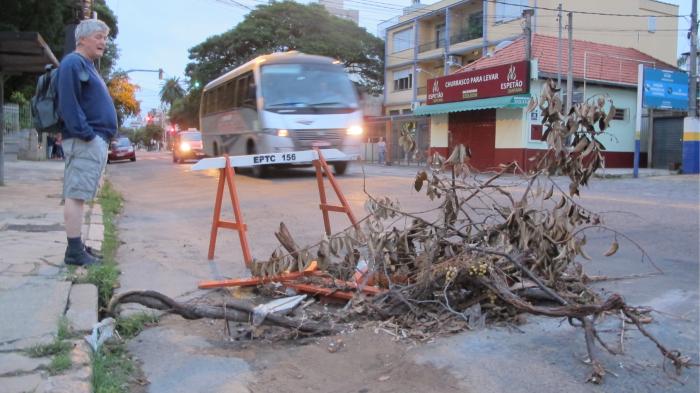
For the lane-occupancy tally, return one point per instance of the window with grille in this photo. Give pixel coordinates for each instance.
(403, 80)
(620, 114)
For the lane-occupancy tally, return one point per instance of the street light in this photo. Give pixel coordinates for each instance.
(159, 71)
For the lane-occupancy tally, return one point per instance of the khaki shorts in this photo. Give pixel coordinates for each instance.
(85, 162)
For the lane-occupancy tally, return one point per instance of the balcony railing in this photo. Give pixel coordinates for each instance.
(431, 45)
(464, 36)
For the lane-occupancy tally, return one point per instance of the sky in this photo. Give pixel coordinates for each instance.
(157, 34)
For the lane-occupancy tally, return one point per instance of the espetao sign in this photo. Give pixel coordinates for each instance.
(503, 80)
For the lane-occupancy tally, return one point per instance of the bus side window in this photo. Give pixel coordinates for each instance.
(206, 108)
(246, 91)
(203, 105)
(241, 91)
(231, 94)
(214, 100)
(251, 90)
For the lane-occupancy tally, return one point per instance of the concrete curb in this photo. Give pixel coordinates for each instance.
(628, 174)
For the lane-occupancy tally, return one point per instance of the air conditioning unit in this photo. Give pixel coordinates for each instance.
(454, 61)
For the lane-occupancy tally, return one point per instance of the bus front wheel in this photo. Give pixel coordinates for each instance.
(258, 171)
(340, 167)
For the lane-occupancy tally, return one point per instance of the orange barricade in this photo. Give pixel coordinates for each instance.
(227, 177)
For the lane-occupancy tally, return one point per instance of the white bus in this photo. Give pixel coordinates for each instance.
(282, 102)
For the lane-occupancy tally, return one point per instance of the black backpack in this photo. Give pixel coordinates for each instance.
(45, 102)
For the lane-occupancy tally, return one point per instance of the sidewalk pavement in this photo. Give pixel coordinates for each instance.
(35, 293)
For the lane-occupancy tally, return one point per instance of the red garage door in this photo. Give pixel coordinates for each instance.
(476, 130)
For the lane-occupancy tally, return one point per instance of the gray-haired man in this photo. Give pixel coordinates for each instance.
(89, 122)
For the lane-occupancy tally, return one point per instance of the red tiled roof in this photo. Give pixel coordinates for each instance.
(603, 62)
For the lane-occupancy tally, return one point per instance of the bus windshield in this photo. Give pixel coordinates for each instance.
(191, 136)
(316, 86)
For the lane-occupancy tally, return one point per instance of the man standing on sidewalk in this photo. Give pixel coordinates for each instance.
(89, 122)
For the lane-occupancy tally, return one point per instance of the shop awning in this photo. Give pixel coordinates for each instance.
(520, 101)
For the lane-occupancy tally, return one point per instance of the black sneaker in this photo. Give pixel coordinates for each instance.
(80, 258)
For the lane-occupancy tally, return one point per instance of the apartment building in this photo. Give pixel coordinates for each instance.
(441, 38)
(337, 8)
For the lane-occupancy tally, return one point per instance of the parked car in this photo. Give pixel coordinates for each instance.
(121, 149)
(188, 146)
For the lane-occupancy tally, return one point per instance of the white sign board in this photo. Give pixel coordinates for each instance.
(291, 157)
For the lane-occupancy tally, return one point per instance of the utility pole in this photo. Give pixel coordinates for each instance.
(527, 30)
(570, 73)
(693, 70)
(559, 52)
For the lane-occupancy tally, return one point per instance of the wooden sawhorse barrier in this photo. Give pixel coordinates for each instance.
(226, 166)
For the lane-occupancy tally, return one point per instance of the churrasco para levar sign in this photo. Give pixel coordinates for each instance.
(503, 80)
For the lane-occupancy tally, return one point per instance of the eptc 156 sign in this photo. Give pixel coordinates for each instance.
(504, 80)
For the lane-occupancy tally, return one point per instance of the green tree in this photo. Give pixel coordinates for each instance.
(123, 94)
(171, 91)
(48, 18)
(282, 26)
(185, 111)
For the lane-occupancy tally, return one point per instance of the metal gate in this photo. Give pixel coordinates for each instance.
(667, 149)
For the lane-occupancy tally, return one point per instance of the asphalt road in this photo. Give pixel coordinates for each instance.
(165, 229)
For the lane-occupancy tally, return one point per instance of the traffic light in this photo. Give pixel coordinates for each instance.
(160, 73)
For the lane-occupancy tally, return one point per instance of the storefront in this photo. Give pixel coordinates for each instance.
(481, 109)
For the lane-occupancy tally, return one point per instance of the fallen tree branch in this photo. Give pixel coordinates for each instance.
(233, 310)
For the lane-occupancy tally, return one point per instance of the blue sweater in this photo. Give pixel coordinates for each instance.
(84, 103)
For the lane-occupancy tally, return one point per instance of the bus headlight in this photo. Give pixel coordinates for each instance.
(184, 146)
(283, 132)
(355, 130)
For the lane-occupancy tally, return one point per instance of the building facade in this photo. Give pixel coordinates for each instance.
(483, 104)
(336, 8)
(441, 38)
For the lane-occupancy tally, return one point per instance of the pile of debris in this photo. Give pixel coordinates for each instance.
(490, 250)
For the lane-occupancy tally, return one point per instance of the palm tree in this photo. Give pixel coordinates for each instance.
(171, 91)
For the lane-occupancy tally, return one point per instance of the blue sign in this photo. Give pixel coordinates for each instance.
(665, 89)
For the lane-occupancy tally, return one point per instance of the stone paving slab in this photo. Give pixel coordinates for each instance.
(97, 209)
(31, 310)
(96, 232)
(14, 363)
(21, 384)
(31, 247)
(96, 219)
(82, 307)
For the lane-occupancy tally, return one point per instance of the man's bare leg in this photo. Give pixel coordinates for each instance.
(73, 218)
